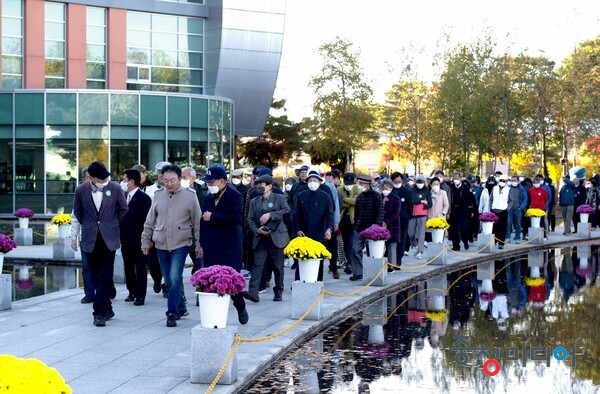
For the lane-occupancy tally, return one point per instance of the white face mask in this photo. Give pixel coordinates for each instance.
(410, 183)
(536, 185)
(386, 192)
(435, 188)
(288, 187)
(213, 189)
(521, 178)
(457, 182)
(249, 179)
(541, 181)
(236, 181)
(198, 181)
(361, 188)
(501, 183)
(348, 187)
(186, 183)
(397, 185)
(588, 185)
(124, 186)
(312, 186)
(515, 184)
(420, 185)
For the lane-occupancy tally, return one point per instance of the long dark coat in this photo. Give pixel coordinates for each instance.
(391, 216)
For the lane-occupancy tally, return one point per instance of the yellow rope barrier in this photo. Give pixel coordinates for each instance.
(418, 266)
(472, 253)
(363, 288)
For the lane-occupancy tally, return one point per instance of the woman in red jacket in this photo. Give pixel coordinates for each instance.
(538, 195)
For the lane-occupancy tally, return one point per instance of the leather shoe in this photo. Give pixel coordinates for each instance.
(355, 277)
(99, 321)
(277, 298)
(347, 270)
(335, 274)
(110, 314)
(243, 316)
(130, 298)
(171, 320)
(183, 313)
(138, 301)
(87, 300)
(156, 287)
(250, 296)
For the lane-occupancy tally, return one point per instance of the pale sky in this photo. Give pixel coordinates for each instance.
(381, 28)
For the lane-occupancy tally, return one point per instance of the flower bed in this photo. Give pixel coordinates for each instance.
(6, 244)
(489, 217)
(585, 208)
(29, 376)
(61, 219)
(437, 223)
(376, 233)
(24, 213)
(535, 213)
(219, 279)
(305, 248)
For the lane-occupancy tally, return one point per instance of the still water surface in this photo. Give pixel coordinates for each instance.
(35, 280)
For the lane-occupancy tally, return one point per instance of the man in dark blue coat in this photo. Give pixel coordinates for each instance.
(406, 208)
(221, 228)
(313, 214)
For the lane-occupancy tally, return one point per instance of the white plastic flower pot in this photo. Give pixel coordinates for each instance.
(376, 248)
(1, 262)
(376, 335)
(487, 227)
(437, 303)
(213, 309)
(437, 235)
(584, 217)
(535, 222)
(535, 271)
(64, 230)
(309, 270)
(23, 222)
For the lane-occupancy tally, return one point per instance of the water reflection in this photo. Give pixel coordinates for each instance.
(402, 343)
(31, 280)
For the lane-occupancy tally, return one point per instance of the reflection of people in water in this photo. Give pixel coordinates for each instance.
(566, 279)
(517, 295)
(70, 183)
(462, 298)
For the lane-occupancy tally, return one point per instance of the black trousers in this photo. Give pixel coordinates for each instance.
(266, 253)
(401, 246)
(136, 274)
(154, 266)
(500, 227)
(459, 230)
(102, 262)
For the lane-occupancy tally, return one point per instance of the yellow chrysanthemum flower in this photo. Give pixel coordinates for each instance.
(304, 248)
(532, 282)
(535, 213)
(437, 223)
(29, 376)
(438, 316)
(61, 219)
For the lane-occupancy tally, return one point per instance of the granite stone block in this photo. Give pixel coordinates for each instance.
(485, 243)
(535, 235)
(5, 292)
(433, 250)
(535, 259)
(485, 271)
(62, 249)
(371, 267)
(584, 230)
(376, 313)
(210, 349)
(434, 285)
(24, 236)
(303, 296)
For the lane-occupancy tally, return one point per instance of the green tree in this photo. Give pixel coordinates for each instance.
(343, 114)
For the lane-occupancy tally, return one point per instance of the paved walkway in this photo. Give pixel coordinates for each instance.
(137, 353)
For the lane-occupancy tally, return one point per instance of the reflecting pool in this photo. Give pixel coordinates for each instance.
(438, 335)
(35, 280)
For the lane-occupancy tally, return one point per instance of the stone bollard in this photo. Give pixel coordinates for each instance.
(24, 236)
(5, 292)
(371, 267)
(62, 249)
(584, 230)
(303, 296)
(535, 235)
(433, 250)
(210, 349)
(486, 240)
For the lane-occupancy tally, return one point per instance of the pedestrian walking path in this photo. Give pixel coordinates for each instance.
(137, 353)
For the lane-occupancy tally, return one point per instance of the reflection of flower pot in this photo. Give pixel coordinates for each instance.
(486, 286)
(23, 222)
(1, 262)
(583, 262)
(24, 272)
(376, 334)
(535, 222)
(376, 248)
(213, 309)
(64, 230)
(584, 217)
(309, 270)
(487, 227)
(535, 271)
(437, 303)
(437, 235)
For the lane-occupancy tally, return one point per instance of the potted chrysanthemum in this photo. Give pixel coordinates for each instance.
(214, 286)
(584, 212)
(24, 214)
(63, 222)
(487, 220)
(437, 227)
(30, 376)
(376, 237)
(6, 245)
(536, 215)
(309, 252)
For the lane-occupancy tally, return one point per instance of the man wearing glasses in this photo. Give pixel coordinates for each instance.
(175, 212)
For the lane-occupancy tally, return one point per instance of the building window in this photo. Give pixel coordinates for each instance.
(12, 44)
(164, 53)
(55, 45)
(96, 48)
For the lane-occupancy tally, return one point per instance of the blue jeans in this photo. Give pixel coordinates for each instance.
(514, 220)
(171, 265)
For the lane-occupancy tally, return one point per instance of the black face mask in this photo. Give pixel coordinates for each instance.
(260, 190)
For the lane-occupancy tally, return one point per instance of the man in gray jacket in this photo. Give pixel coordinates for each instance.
(265, 220)
(175, 212)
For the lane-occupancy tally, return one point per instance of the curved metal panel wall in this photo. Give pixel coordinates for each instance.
(243, 46)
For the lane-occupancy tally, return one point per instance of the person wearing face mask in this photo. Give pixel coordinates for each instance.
(288, 184)
(367, 211)
(131, 228)
(439, 201)
(421, 197)
(236, 181)
(517, 203)
(411, 181)
(461, 212)
(145, 182)
(406, 208)
(551, 204)
(391, 221)
(538, 197)
(567, 203)
(484, 200)
(499, 205)
(580, 198)
(99, 205)
(265, 220)
(188, 177)
(221, 228)
(593, 199)
(349, 191)
(313, 215)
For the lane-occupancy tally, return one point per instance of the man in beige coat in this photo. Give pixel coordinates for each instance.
(175, 212)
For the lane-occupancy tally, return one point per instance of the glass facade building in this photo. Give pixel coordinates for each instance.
(139, 82)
